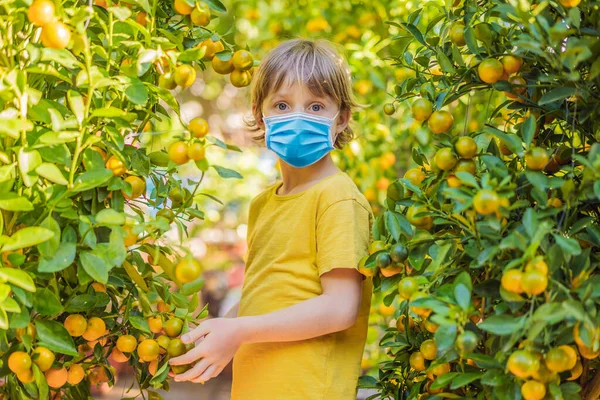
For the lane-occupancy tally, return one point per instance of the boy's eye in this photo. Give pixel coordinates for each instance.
(316, 107)
(281, 106)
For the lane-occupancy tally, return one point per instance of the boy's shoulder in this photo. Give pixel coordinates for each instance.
(339, 188)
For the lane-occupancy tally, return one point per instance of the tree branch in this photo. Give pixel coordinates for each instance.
(592, 389)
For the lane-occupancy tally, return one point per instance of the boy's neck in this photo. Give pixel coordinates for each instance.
(299, 179)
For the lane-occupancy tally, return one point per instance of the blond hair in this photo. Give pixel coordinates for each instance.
(316, 64)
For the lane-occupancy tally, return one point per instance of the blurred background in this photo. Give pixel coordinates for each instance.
(380, 153)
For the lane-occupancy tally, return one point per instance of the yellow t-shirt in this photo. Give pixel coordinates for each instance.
(292, 240)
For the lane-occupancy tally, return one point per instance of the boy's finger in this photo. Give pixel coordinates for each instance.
(195, 334)
(194, 372)
(188, 357)
(209, 373)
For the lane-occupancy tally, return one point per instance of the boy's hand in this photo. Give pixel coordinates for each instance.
(217, 341)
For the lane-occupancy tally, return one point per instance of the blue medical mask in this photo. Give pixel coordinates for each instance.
(300, 139)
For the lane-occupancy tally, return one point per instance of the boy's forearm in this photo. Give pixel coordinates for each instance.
(318, 316)
(233, 311)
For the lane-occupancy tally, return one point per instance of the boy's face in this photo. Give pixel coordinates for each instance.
(298, 98)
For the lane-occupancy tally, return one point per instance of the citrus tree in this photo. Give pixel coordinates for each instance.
(86, 194)
(488, 247)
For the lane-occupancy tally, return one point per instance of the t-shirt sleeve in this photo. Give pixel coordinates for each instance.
(343, 232)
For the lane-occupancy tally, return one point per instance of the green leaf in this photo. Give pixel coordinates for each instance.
(45, 302)
(462, 294)
(12, 127)
(139, 323)
(81, 303)
(10, 305)
(393, 225)
(108, 216)
(76, 104)
(445, 63)
(493, 377)
(137, 93)
(95, 266)
(41, 382)
(568, 245)
(55, 337)
(61, 56)
(28, 162)
(226, 172)
(121, 13)
(52, 173)
(26, 237)
(443, 380)
(50, 246)
(193, 54)
(192, 287)
(445, 337)
(11, 202)
(559, 93)
(594, 70)
(465, 379)
(528, 130)
(91, 179)
(108, 112)
(216, 5)
(502, 325)
(18, 278)
(61, 259)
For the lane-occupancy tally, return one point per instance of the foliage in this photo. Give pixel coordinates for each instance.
(525, 201)
(81, 88)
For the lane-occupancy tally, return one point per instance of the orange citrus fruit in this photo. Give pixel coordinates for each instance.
(116, 166)
(534, 282)
(184, 75)
(421, 109)
(75, 374)
(187, 270)
(126, 343)
(536, 158)
(417, 361)
(486, 202)
(155, 324)
(428, 349)
(415, 176)
(242, 60)
(557, 360)
(407, 286)
(424, 222)
(182, 7)
(445, 159)
(240, 78)
(200, 14)
(196, 151)
(465, 147)
(178, 153)
(198, 127)
(222, 67)
(19, 362)
(537, 264)
(511, 64)
(173, 327)
(95, 329)
(41, 12)
(138, 187)
(511, 281)
(148, 350)
(533, 390)
(75, 324)
(55, 35)
(57, 377)
(440, 121)
(43, 358)
(421, 311)
(523, 364)
(490, 70)
(457, 34)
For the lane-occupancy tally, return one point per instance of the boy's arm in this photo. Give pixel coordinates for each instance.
(233, 311)
(334, 310)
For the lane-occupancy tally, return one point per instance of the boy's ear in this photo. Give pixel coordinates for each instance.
(343, 121)
(257, 117)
